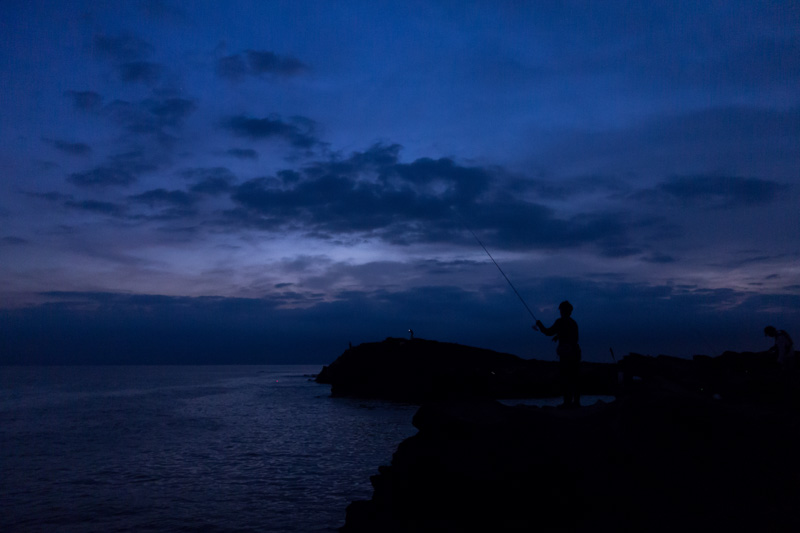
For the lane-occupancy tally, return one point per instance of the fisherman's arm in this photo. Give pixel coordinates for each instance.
(544, 329)
(773, 348)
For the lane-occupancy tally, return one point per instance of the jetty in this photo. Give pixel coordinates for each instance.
(689, 444)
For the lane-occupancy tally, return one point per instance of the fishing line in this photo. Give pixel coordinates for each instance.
(495, 264)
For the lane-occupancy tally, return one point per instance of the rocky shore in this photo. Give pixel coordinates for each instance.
(702, 444)
(422, 370)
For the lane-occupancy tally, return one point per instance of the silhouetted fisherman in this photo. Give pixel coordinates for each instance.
(783, 348)
(565, 331)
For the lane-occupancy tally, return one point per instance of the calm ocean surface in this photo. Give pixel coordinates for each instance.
(182, 448)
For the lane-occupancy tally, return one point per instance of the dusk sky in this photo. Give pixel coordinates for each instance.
(264, 182)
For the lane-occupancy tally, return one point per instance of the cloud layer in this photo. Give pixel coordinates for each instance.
(258, 63)
(327, 169)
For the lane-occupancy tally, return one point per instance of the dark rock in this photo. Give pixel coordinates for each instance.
(644, 464)
(421, 370)
(670, 454)
(749, 377)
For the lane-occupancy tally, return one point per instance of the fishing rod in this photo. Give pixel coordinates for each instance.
(498, 267)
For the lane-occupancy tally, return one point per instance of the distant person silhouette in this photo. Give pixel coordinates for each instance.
(783, 347)
(565, 331)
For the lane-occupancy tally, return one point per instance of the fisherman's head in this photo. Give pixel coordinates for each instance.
(566, 308)
(770, 331)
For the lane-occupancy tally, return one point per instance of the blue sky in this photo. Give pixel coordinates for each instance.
(268, 181)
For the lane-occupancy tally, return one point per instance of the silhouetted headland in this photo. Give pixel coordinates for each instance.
(700, 444)
(421, 370)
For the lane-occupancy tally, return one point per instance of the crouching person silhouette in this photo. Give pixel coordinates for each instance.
(783, 348)
(565, 331)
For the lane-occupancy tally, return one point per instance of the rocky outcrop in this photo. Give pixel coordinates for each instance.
(668, 455)
(743, 377)
(422, 370)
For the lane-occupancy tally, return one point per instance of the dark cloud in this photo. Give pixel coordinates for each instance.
(289, 176)
(150, 129)
(463, 184)
(372, 194)
(85, 100)
(95, 206)
(377, 156)
(153, 116)
(379, 159)
(71, 148)
(243, 153)
(10, 240)
(520, 225)
(170, 111)
(51, 196)
(615, 249)
(656, 257)
(723, 192)
(211, 181)
(568, 188)
(264, 62)
(141, 72)
(157, 197)
(202, 173)
(103, 176)
(298, 131)
(159, 205)
(166, 205)
(130, 54)
(120, 170)
(159, 117)
(212, 186)
(749, 258)
(258, 63)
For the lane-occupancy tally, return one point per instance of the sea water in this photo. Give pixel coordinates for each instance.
(186, 448)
